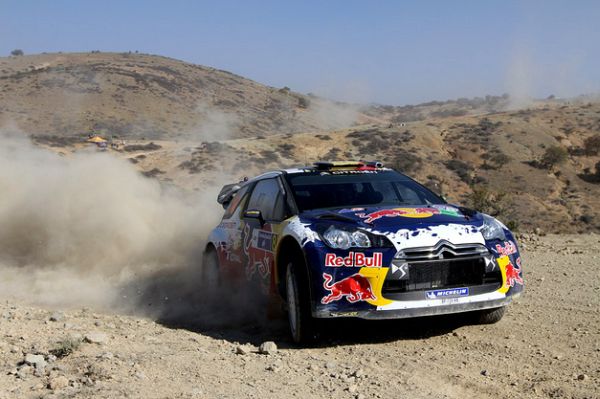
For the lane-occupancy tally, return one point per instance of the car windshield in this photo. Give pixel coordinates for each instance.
(342, 189)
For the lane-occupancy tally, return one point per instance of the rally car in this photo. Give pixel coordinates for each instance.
(356, 239)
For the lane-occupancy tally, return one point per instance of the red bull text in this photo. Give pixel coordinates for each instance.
(354, 259)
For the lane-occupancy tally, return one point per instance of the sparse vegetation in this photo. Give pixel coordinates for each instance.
(17, 52)
(554, 156)
(153, 172)
(462, 169)
(591, 145)
(65, 347)
(497, 204)
(406, 162)
(303, 102)
(142, 147)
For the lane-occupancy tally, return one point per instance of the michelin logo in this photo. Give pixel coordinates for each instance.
(452, 292)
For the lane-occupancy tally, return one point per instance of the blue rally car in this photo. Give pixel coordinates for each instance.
(355, 239)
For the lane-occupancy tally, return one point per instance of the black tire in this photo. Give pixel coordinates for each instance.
(491, 316)
(302, 324)
(211, 273)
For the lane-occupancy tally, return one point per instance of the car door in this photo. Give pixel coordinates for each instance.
(265, 210)
(231, 248)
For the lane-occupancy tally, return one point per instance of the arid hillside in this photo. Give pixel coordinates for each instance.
(136, 95)
(501, 163)
(535, 167)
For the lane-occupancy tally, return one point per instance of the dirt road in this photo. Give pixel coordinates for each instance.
(548, 345)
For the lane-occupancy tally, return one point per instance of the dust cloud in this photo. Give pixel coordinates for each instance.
(214, 124)
(86, 229)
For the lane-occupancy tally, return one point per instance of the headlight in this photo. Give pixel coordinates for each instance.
(492, 229)
(343, 239)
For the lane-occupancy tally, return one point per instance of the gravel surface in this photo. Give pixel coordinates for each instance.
(547, 345)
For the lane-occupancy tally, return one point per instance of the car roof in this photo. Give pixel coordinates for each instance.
(229, 190)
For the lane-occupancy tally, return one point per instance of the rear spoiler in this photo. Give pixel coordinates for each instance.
(228, 191)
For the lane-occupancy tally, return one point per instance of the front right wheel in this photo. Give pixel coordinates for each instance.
(302, 324)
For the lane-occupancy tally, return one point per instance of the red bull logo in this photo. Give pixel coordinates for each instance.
(355, 288)
(354, 259)
(508, 248)
(404, 212)
(513, 275)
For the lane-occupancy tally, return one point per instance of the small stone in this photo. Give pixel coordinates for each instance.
(358, 373)
(14, 349)
(58, 383)
(268, 348)
(361, 396)
(582, 377)
(352, 388)
(57, 316)
(96, 338)
(24, 372)
(330, 365)
(485, 373)
(313, 367)
(106, 356)
(241, 350)
(140, 375)
(37, 361)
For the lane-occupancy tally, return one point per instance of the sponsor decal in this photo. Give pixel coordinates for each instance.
(351, 210)
(343, 314)
(263, 240)
(513, 275)
(508, 248)
(354, 259)
(447, 293)
(354, 288)
(353, 172)
(417, 213)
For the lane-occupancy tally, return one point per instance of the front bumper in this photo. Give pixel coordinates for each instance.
(433, 308)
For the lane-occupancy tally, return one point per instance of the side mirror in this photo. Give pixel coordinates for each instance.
(254, 214)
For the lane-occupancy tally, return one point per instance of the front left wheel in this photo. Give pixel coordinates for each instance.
(302, 324)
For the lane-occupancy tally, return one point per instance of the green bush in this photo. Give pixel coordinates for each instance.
(554, 155)
(497, 204)
(65, 347)
(591, 145)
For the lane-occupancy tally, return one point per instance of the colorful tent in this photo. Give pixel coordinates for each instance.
(96, 139)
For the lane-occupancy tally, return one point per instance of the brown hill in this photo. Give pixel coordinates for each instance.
(137, 95)
(492, 161)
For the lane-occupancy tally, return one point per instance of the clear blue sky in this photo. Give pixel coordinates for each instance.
(394, 52)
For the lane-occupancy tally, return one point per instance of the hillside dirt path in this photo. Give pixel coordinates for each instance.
(547, 345)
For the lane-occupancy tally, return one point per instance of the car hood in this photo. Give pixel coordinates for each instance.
(404, 226)
(394, 218)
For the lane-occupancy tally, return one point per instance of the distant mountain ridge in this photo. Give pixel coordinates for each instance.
(139, 95)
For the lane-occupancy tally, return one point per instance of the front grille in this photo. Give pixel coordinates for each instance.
(443, 266)
(442, 249)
